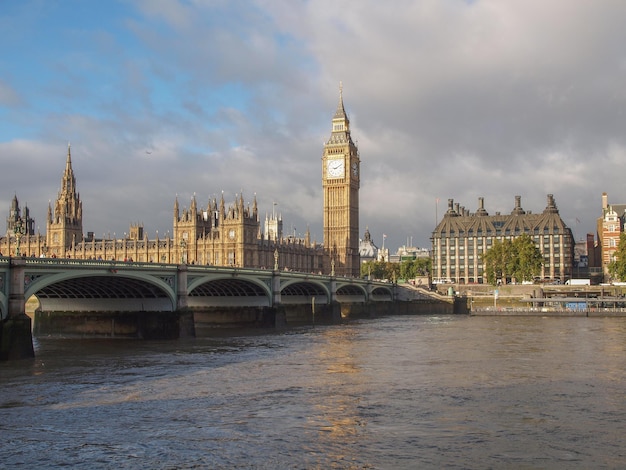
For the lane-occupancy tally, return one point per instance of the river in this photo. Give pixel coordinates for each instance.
(389, 393)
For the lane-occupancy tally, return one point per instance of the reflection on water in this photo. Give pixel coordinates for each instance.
(398, 392)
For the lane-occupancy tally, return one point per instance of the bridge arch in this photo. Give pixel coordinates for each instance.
(102, 291)
(382, 293)
(349, 292)
(220, 290)
(302, 291)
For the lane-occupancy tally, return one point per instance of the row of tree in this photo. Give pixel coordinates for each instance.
(408, 269)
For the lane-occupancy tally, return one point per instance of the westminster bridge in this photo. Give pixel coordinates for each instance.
(153, 300)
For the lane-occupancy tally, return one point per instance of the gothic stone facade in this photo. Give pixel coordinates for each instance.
(217, 234)
(341, 168)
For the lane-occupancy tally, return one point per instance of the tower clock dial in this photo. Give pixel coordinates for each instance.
(335, 168)
(355, 169)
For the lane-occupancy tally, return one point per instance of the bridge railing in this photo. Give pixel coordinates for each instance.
(93, 262)
(192, 268)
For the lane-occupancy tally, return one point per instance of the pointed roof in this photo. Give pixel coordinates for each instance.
(68, 183)
(341, 111)
(68, 161)
(340, 133)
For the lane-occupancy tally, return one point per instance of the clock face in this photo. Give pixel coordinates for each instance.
(335, 168)
(355, 169)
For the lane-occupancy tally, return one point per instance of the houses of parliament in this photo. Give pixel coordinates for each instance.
(216, 234)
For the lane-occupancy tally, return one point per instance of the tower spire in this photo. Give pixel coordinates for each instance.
(341, 111)
(66, 225)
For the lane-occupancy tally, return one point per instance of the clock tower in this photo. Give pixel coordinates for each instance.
(340, 181)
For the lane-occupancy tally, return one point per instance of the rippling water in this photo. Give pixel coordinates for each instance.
(398, 392)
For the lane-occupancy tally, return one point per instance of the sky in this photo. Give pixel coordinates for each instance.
(447, 99)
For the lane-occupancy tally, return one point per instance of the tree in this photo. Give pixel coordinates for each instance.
(393, 271)
(410, 269)
(617, 267)
(526, 259)
(373, 269)
(496, 260)
(520, 259)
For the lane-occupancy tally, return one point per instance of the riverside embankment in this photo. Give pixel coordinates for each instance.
(540, 299)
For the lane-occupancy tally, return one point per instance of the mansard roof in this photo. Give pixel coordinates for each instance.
(458, 222)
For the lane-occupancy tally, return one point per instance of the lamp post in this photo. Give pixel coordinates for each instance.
(183, 246)
(19, 230)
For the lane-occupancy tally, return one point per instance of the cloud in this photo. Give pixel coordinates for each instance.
(447, 99)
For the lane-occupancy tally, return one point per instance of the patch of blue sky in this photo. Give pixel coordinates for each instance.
(64, 54)
(14, 129)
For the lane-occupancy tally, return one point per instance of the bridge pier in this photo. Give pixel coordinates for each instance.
(16, 337)
(182, 299)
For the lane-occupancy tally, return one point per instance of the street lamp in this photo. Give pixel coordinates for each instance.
(19, 230)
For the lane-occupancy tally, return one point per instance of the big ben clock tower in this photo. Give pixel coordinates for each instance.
(341, 181)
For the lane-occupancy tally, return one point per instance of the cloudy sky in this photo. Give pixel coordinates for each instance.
(447, 99)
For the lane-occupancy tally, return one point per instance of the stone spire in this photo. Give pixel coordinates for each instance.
(341, 124)
(255, 209)
(65, 220)
(68, 202)
(341, 111)
(68, 184)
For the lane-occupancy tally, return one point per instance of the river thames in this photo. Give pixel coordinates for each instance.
(389, 393)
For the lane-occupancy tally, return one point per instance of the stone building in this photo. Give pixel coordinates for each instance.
(367, 249)
(218, 234)
(341, 167)
(609, 227)
(64, 224)
(461, 238)
(20, 228)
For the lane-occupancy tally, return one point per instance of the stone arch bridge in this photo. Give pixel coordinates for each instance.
(84, 285)
(108, 291)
